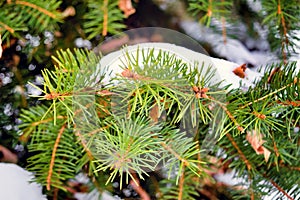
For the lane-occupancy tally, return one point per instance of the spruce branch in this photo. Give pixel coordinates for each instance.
(212, 8)
(30, 15)
(184, 190)
(105, 18)
(10, 24)
(282, 18)
(271, 94)
(102, 17)
(130, 128)
(38, 8)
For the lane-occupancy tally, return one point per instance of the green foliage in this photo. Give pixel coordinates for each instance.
(210, 9)
(103, 17)
(116, 143)
(282, 19)
(58, 153)
(31, 15)
(169, 188)
(275, 101)
(129, 140)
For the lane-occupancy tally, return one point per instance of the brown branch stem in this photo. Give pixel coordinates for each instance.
(286, 40)
(8, 28)
(136, 186)
(181, 184)
(83, 143)
(168, 148)
(279, 188)
(224, 34)
(105, 18)
(231, 117)
(242, 155)
(50, 172)
(40, 9)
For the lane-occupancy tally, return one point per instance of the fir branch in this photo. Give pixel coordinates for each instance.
(295, 168)
(224, 34)
(282, 18)
(211, 8)
(270, 94)
(44, 121)
(229, 114)
(171, 190)
(250, 180)
(289, 103)
(274, 145)
(36, 7)
(62, 129)
(102, 17)
(11, 23)
(279, 12)
(39, 16)
(223, 20)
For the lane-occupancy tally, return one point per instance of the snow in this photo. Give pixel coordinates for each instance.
(233, 50)
(95, 195)
(15, 184)
(224, 68)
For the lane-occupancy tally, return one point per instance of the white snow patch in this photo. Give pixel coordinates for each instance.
(16, 184)
(233, 50)
(224, 68)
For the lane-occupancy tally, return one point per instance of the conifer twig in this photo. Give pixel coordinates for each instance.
(168, 148)
(55, 193)
(231, 117)
(251, 189)
(8, 28)
(242, 155)
(295, 168)
(279, 12)
(105, 18)
(47, 120)
(279, 188)
(42, 10)
(50, 172)
(181, 183)
(224, 34)
(83, 143)
(288, 102)
(136, 186)
(269, 94)
(275, 146)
